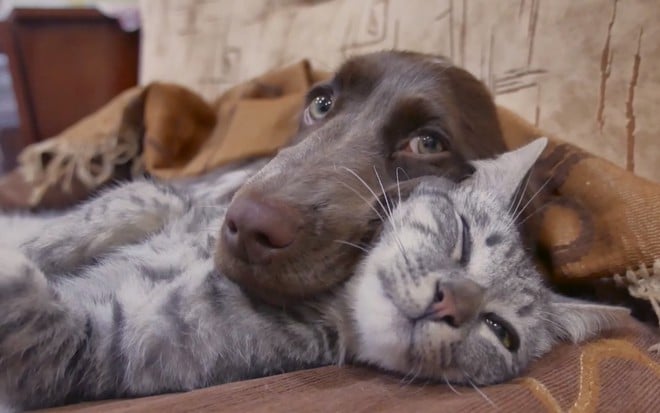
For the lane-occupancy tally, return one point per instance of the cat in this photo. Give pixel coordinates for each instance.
(121, 297)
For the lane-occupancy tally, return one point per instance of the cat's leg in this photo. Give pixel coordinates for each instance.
(121, 216)
(40, 339)
(16, 229)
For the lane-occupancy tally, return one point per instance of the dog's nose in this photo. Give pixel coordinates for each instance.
(456, 302)
(258, 230)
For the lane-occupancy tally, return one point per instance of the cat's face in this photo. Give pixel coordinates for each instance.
(448, 291)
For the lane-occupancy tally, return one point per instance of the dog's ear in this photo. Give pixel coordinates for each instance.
(479, 134)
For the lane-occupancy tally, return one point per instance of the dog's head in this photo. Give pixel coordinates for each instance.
(384, 117)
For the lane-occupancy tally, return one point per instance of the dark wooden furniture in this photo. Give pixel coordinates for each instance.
(65, 64)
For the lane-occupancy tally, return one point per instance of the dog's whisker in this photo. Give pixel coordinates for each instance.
(382, 188)
(398, 181)
(366, 201)
(359, 178)
(351, 244)
(389, 207)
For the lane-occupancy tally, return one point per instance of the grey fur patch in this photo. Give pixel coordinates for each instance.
(116, 357)
(173, 311)
(137, 200)
(15, 289)
(525, 310)
(157, 274)
(481, 219)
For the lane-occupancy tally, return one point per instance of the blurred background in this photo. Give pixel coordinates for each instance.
(584, 71)
(59, 61)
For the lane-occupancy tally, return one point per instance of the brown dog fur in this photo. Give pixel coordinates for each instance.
(381, 101)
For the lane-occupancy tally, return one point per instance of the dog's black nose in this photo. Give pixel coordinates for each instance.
(258, 230)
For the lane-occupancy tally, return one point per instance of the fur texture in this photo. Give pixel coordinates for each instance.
(121, 297)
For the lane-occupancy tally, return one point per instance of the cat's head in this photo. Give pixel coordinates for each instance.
(448, 291)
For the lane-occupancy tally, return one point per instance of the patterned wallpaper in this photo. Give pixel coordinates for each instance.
(584, 70)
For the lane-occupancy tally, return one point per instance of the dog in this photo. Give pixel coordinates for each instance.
(296, 228)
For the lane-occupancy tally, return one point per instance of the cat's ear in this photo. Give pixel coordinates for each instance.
(577, 320)
(504, 174)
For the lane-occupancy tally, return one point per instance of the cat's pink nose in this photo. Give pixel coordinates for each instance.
(258, 230)
(456, 302)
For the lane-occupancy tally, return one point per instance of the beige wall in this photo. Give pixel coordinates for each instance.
(584, 70)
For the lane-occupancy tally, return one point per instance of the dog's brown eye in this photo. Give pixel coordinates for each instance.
(319, 107)
(425, 144)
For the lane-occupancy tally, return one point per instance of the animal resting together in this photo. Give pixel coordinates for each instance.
(383, 235)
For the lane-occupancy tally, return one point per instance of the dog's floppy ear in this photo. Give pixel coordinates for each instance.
(475, 109)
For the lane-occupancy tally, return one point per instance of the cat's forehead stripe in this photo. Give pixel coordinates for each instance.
(493, 239)
(525, 310)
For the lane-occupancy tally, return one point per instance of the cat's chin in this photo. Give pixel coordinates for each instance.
(382, 331)
(389, 339)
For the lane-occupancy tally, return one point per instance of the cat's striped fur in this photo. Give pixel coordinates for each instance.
(121, 297)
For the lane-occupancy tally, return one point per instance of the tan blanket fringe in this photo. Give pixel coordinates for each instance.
(644, 283)
(56, 162)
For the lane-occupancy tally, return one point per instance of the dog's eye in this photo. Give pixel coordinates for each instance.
(319, 107)
(426, 144)
(503, 331)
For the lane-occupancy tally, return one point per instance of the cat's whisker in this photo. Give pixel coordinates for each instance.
(452, 388)
(539, 209)
(414, 372)
(481, 393)
(549, 319)
(520, 194)
(547, 181)
(351, 244)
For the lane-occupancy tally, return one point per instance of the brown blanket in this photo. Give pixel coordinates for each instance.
(614, 374)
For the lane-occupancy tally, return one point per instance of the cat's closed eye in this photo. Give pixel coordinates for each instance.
(463, 246)
(466, 241)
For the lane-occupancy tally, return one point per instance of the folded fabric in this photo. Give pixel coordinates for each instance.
(590, 219)
(185, 136)
(63, 170)
(612, 374)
